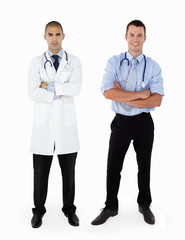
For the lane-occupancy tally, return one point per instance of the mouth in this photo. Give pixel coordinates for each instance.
(135, 44)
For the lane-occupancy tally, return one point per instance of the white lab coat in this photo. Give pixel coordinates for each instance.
(54, 121)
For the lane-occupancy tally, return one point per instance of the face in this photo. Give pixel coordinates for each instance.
(135, 38)
(54, 38)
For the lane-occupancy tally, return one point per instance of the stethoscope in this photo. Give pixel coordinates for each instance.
(51, 64)
(125, 58)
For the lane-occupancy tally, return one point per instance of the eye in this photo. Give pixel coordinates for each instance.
(140, 35)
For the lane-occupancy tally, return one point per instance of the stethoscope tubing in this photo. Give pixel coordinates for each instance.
(51, 64)
(125, 58)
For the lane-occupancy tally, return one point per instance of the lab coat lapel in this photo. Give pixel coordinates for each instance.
(61, 65)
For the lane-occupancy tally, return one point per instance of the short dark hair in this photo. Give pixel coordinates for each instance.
(54, 24)
(136, 23)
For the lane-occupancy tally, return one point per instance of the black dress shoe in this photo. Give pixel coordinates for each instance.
(72, 219)
(36, 220)
(104, 215)
(147, 214)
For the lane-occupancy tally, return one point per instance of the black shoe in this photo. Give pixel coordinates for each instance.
(72, 219)
(147, 214)
(104, 215)
(36, 220)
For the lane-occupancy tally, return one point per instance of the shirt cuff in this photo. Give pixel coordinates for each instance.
(51, 87)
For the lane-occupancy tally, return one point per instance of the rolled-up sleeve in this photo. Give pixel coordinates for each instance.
(109, 75)
(156, 85)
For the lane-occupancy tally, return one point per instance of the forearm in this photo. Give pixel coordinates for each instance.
(68, 89)
(40, 95)
(119, 95)
(71, 84)
(152, 101)
(35, 91)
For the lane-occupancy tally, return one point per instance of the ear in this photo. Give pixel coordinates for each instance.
(63, 36)
(44, 36)
(126, 37)
(145, 38)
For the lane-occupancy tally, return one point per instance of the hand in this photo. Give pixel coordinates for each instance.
(117, 85)
(44, 85)
(145, 94)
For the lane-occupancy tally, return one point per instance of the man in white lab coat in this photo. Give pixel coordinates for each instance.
(54, 78)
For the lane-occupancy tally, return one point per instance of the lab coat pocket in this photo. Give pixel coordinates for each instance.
(39, 114)
(64, 77)
(70, 115)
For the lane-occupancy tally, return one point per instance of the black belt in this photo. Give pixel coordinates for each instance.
(133, 117)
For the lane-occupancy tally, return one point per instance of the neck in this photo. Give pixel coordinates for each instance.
(55, 51)
(135, 54)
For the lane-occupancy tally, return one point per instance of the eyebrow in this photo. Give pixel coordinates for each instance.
(139, 34)
(58, 34)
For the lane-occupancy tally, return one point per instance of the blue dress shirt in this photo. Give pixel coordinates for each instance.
(114, 72)
(51, 85)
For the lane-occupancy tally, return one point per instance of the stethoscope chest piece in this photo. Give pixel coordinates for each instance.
(67, 66)
(143, 85)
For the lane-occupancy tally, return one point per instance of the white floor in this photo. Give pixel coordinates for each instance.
(128, 223)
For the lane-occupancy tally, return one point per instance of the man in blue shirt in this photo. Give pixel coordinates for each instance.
(134, 84)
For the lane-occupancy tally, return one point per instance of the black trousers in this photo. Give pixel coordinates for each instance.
(124, 129)
(41, 165)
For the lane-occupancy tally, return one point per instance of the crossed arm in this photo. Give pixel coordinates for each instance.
(142, 99)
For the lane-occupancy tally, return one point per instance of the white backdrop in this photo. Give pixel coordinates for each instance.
(94, 31)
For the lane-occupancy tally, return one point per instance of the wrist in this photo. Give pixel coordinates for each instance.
(140, 95)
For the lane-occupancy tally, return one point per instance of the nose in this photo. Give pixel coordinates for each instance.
(135, 39)
(54, 38)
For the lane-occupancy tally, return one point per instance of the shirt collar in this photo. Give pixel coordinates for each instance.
(139, 58)
(60, 54)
